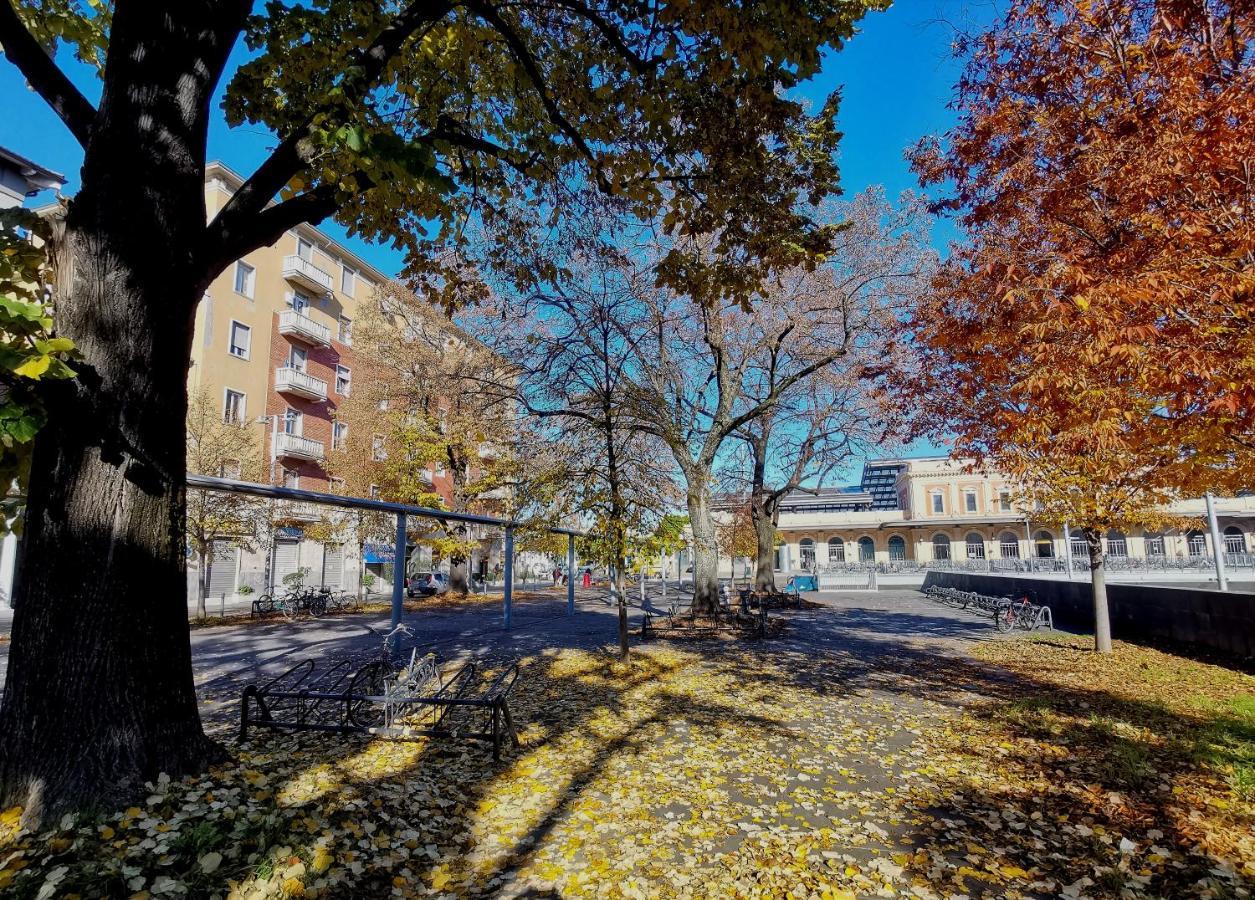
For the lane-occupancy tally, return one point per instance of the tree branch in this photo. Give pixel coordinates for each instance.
(44, 76)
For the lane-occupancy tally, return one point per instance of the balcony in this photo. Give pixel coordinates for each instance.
(297, 447)
(293, 324)
(294, 381)
(306, 512)
(304, 273)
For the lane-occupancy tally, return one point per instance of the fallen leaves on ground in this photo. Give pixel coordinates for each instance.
(730, 771)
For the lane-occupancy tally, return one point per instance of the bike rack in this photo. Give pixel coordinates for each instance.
(408, 709)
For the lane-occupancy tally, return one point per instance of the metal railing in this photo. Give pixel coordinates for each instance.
(402, 512)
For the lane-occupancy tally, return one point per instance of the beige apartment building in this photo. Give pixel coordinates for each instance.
(931, 512)
(273, 346)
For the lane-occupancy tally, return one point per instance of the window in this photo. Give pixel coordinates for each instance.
(1009, 545)
(941, 546)
(339, 435)
(298, 301)
(233, 408)
(807, 549)
(378, 451)
(297, 357)
(975, 544)
(1234, 540)
(373, 491)
(304, 249)
(293, 423)
(1004, 501)
(245, 276)
(229, 469)
(291, 478)
(348, 280)
(439, 470)
(969, 501)
(836, 550)
(240, 339)
(866, 550)
(1044, 544)
(335, 485)
(345, 335)
(1196, 543)
(1155, 545)
(897, 549)
(1080, 549)
(344, 380)
(937, 503)
(1116, 544)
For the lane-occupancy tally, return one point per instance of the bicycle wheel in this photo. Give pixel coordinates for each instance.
(1004, 619)
(318, 606)
(287, 607)
(368, 681)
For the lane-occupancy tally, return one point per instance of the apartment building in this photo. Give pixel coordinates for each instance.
(938, 513)
(273, 346)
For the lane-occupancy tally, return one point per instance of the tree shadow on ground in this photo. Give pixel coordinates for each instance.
(863, 750)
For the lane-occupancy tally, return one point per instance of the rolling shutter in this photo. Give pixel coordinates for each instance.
(287, 557)
(332, 565)
(222, 571)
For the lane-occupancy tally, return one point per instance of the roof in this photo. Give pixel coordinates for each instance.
(218, 169)
(32, 171)
(954, 523)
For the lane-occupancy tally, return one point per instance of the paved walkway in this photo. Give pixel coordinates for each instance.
(864, 632)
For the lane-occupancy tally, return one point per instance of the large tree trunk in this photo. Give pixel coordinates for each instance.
(705, 549)
(1098, 587)
(99, 694)
(765, 533)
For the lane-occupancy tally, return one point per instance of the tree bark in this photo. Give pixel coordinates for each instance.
(705, 548)
(206, 561)
(1098, 587)
(761, 515)
(99, 693)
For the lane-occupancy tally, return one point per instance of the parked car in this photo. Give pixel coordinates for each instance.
(426, 584)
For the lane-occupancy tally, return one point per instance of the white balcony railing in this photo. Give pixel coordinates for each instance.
(293, 323)
(305, 273)
(297, 446)
(294, 381)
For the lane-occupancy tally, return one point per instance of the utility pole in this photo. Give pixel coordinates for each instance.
(1217, 548)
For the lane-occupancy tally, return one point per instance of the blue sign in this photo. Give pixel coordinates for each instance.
(289, 531)
(378, 553)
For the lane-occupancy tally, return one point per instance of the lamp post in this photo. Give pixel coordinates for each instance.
(1217, 548)
(273, 422)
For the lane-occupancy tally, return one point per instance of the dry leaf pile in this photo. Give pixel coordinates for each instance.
(1039, 770)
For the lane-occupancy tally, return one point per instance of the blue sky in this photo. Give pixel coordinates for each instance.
(896, 78)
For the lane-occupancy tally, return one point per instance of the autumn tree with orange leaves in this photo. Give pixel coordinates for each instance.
(1095, 328)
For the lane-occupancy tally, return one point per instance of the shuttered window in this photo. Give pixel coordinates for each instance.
(287, 558)
(222, 570)
(333, 565)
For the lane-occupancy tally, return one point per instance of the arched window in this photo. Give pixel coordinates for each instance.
(1196, 543)
(1116, 544)
(1154, 544)
(897, 549)
(806, 547)
(836, 550)
(1044, 544)
(975, 546)
(1009, 545)
(941, 546)
(1234, 540)
(866, 550)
